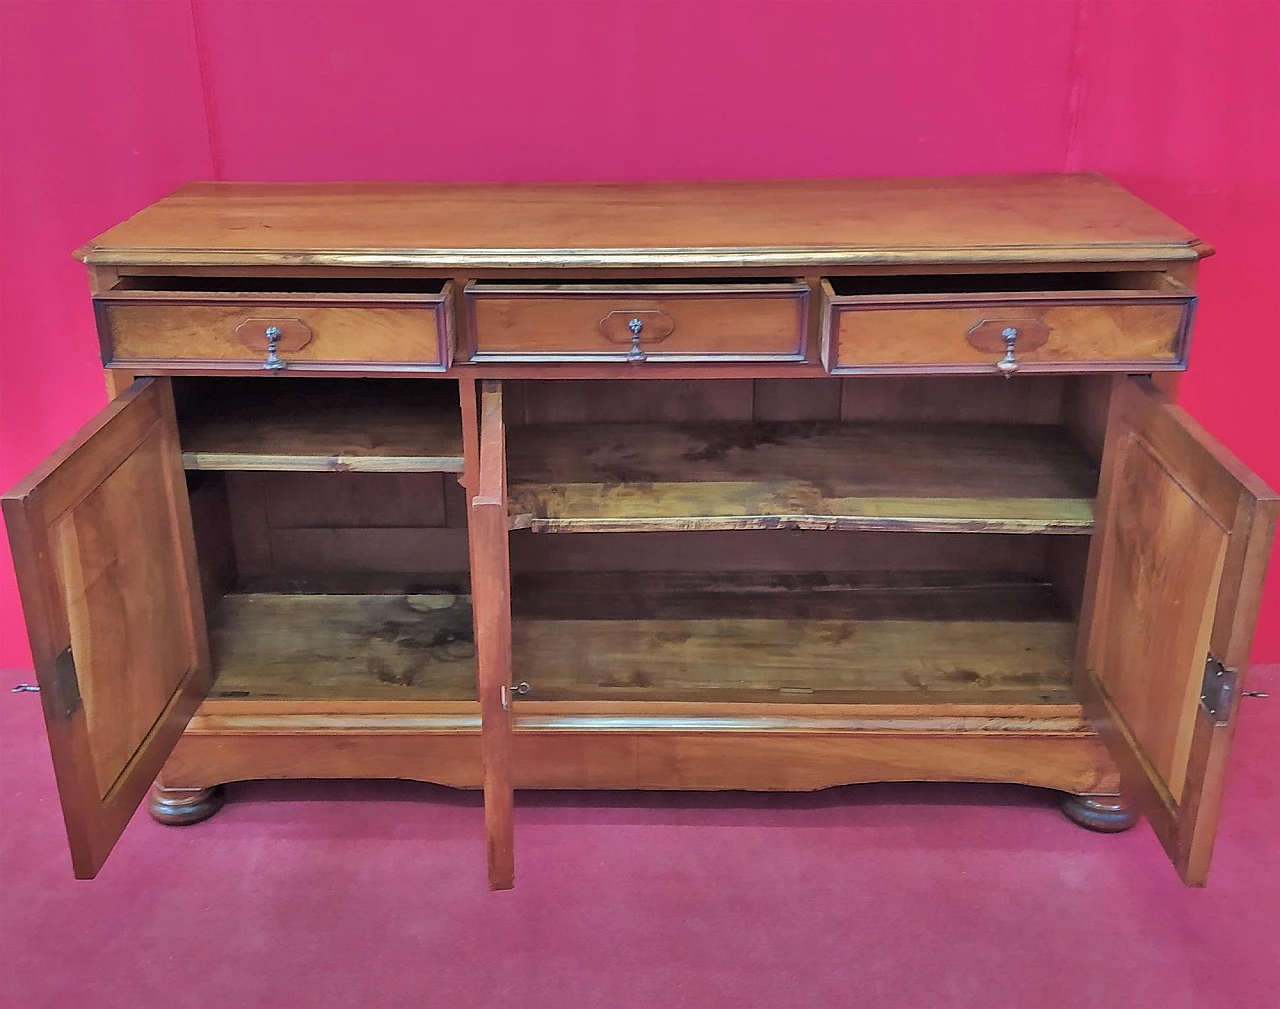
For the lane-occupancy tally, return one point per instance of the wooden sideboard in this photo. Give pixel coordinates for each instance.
(724, 485)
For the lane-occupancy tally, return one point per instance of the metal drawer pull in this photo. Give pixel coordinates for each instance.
(1009, 337)
(627, 326)
(274, 361)
(635, 353)
(1008, 364)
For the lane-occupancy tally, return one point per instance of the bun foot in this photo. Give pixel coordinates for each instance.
(177, 807)
(1107, 814)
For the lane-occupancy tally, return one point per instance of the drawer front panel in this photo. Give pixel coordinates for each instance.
(1145, 334)
(307, 336)
(755, 323)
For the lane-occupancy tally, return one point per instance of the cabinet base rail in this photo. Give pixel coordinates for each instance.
(1072, 762)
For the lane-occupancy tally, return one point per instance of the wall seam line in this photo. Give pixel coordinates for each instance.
(204, 65)
(1075, 91)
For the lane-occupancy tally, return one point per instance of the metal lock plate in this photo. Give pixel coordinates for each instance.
(1218, 689)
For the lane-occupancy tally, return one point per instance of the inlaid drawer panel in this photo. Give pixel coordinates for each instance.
(874, 325)
(274, 331)
(637, 323)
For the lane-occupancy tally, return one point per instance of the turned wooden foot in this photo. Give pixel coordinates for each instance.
(177, 807)
(1108, 814)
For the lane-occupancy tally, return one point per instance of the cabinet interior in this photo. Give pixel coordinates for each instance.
(206, 283)
(1001, 283)
(332, 537)
(331, 533)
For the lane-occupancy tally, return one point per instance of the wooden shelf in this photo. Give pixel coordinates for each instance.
(381, 426)
(794, 639)
(810, 475)
(376, 647)
(948, 638)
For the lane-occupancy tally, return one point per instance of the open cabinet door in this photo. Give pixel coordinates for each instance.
(1175, 575)
(491, 601)
(102, 542)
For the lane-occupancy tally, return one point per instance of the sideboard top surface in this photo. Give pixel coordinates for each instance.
(819, 223)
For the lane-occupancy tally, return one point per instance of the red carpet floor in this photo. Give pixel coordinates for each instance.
(361, 895)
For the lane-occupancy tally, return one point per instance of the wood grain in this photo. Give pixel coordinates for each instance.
(597, 594)
(951, 399)
(823, 660)
(345, 532)
(613, 401)
(292, 747)
(363, 501)
(1163, 556)
(410, 556)
(760, 322)
(1174, 575)
(760, 551)
(211, 525)
(1145, 335)
(139, 331)
(811, 222)
(673, 477)
(105, 557)
(268, 645)
(394, 427)
(491, 594)
(958, 637)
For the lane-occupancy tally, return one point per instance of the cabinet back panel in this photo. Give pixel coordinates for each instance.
(356, 500)
(340, 532)
(773, 550)
(981, 399)
(211, 523)
(587, 401)
(973, 399)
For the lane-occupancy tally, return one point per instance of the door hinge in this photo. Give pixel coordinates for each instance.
(1218, 689)
(66, 688)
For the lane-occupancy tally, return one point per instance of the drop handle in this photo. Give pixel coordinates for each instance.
(274, 361)
(1008, 364)
(635, 354)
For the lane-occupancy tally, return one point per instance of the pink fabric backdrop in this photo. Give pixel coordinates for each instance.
(105, 107)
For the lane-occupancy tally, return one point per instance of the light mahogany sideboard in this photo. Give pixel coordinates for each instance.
(732, 485)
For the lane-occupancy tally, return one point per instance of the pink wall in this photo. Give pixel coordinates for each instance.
(1184, 109)
(109, 106)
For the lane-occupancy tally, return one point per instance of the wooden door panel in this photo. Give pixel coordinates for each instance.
(491, 606)
(103, 547)
(1176, 570)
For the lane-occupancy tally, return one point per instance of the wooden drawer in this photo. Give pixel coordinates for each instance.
(369, 330)
(747, 321)
(1006, 323)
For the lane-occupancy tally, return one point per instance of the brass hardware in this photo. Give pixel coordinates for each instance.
(1008, 364)
(66, 688)
(273, 362)
(1216, 690)
(635, 353)
(521, 688)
